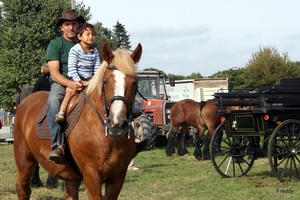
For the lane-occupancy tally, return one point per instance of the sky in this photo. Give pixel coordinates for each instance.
(185, 36)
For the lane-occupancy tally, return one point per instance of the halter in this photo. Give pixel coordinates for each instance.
(107, 103)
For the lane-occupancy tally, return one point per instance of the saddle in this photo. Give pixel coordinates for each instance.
(74, 109)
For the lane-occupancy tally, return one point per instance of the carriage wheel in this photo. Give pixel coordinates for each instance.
(235, 156)
(284, 151)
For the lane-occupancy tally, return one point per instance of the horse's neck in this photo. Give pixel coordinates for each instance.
(97, 99)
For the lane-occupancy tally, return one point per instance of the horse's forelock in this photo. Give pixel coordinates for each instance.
(122, 61)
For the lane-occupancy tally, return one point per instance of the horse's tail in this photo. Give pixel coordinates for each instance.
(201, 104)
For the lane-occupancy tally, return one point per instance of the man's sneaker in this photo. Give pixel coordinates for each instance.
(57, 155)
(60, 118)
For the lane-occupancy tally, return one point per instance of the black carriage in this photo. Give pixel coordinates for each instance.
(272, 114)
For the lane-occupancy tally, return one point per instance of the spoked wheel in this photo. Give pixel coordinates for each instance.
(234, 156)
(284, 151)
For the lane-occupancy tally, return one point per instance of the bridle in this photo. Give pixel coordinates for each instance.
(107, 103)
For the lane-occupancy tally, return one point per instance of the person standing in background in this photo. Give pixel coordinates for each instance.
(2, 115)
(43, 83)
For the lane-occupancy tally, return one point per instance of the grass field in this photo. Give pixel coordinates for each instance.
(168, 178)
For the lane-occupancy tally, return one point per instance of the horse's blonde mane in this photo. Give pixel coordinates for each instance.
(122, 61)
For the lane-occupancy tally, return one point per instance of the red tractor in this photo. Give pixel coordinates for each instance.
(153, 104)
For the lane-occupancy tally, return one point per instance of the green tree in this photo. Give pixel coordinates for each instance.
(120, 33)
(26, 29)
(234, 81)
(175, 77)
(267, 67)
(152, 69)
(104, 35)
(194, 75)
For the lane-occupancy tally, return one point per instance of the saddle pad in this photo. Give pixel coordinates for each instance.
(42, 128)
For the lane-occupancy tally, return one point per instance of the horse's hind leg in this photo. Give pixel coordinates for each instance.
(24, 172)
(71, 190)
(25, 163)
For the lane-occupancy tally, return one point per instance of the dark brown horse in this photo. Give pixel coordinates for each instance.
(202, 116)
(94, 157)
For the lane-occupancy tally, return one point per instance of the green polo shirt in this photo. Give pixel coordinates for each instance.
(58, 49)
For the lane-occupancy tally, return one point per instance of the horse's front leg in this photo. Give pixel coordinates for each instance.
(93, 185)
(71, 190)
(113, 189)
(170, 150)
(35, 179)
(198, 143)
(182, 147)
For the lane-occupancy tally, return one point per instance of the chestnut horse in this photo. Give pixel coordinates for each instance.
(202, 116)
(101, 143)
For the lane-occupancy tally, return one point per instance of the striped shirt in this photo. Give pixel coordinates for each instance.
(82, 65)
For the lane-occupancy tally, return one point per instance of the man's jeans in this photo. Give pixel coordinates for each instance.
(55, 98)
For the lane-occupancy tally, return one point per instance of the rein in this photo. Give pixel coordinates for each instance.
(141, 95)
(103, 122)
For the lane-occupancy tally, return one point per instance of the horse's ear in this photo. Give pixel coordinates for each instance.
(137, 53)
(106, 53)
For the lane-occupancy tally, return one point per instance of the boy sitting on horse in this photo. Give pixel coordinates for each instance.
(83, 62)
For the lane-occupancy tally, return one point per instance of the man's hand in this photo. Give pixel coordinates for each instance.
(85, 83)
(77, 86)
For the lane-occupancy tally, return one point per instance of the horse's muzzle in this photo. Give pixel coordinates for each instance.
(117, 129)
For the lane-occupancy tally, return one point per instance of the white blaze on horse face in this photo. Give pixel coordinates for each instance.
(117, 105)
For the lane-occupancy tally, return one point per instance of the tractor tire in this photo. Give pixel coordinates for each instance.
(144, 128)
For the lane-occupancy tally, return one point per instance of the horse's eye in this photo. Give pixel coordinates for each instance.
(105, 82)
(134, 84)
